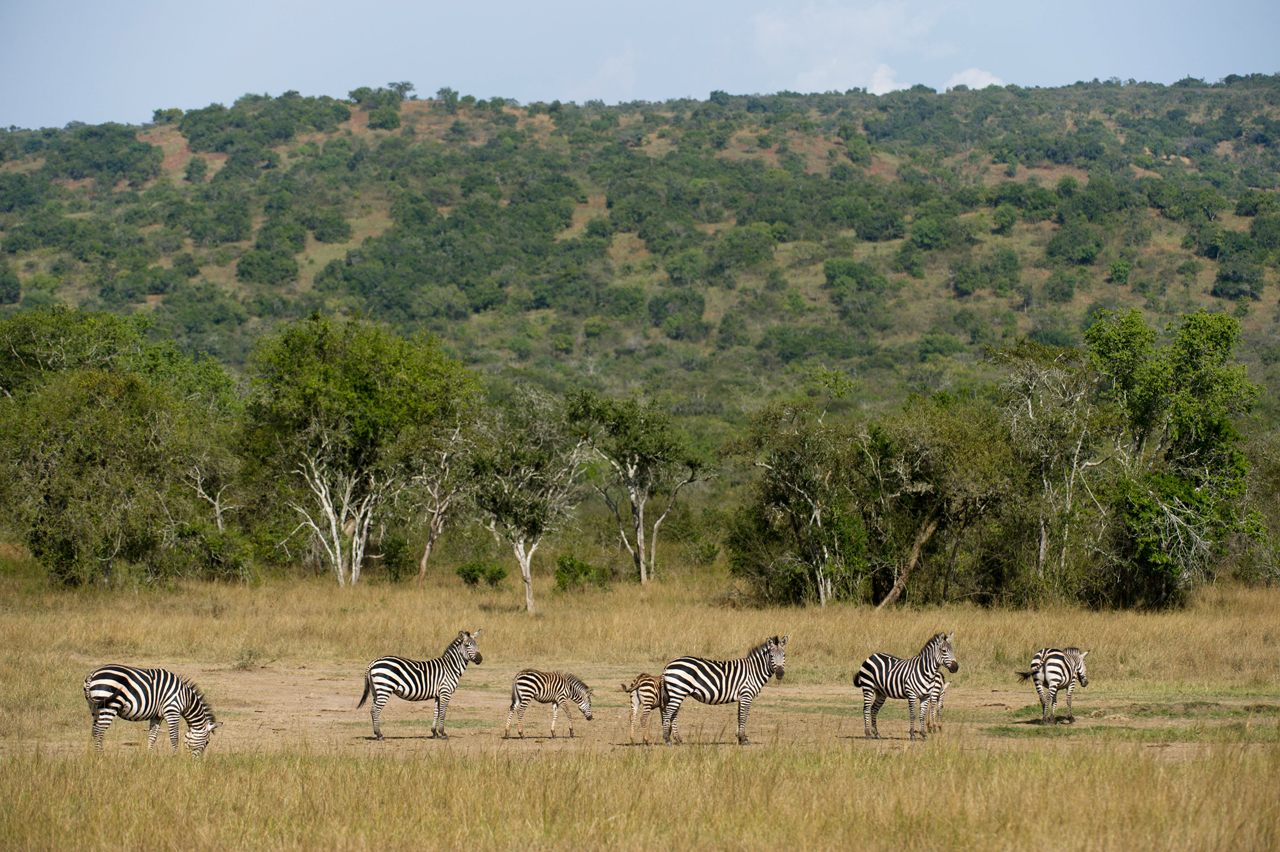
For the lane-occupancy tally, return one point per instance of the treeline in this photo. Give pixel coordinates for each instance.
(1111, 474)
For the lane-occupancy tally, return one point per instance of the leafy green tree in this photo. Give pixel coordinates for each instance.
(526, 473)
(1004, 218)
(1179, 488)
(799, 536)
(645, 460)
(330, 401)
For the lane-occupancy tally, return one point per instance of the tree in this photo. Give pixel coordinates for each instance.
(645, 459)
(938, 465)
(526, 471)
(329, 403)
(799, 537)
(1177, 494)
(438, 462)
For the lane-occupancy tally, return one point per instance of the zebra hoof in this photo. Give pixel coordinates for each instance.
(377, 735)
(743, 741)
(442, 735)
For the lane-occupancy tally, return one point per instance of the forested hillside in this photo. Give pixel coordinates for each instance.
(964, 250)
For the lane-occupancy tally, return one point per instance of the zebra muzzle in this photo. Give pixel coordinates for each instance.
(778, 673)
(953, 667)
(477, 659)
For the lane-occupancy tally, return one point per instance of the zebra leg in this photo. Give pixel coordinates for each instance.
(506, 732)
(442, 707)
(520, 720)
(644, 724)
(1071, 716)
(669, 712)
(744, 708)
(379, 701)
(1044, 703)
(924, 713)
(635, 708)
(880, 698)
(100, 724)
(911, 716)
(555, 711)
(153, 731)
(1052, 693)
(171, 719)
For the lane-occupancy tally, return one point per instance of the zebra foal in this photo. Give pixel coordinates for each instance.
(720, 682)
(1051, 669)
(884, 676)
(138, 695)
(644, 691)
(419, 680)
(555, 688)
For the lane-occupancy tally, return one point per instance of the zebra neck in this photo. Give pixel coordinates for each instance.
(454, 659)
(196, 711)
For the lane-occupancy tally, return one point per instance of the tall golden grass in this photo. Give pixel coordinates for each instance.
(971, 787)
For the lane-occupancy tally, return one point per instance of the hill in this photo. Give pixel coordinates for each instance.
(712, 252)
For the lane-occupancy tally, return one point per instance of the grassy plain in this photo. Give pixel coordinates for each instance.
(1176, 743)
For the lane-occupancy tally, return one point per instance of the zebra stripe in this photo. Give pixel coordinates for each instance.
(884, 676)
(720, 682)
(644, 691)
(1051, 669)
(555, 688)
(419, 680)
(149, 695)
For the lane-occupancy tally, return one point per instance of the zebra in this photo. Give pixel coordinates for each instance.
(1051, 669)
(720, 682)
(884, 676)
(644, 698)
(554, 688)
(148, 695)
(937, 693)
(418, 680)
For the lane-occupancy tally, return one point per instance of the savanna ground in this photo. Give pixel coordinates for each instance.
(1176, 742)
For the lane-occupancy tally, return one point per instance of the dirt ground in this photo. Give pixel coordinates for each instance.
(312, 708)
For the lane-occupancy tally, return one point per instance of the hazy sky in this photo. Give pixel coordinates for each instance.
(73, 60)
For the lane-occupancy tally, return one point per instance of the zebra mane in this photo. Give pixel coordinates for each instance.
(772, 640)
(936, 639)
(575, 682)
(199, 698)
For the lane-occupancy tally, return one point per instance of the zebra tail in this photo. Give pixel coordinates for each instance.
(1023, 675)
(662, 693)
(368, 687)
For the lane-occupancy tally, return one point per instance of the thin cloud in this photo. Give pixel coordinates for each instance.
(974, 78)
(829, 46)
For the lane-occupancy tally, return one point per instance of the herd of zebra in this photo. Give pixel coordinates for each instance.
(150, 695)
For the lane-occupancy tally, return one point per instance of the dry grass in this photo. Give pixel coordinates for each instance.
(1178, 743)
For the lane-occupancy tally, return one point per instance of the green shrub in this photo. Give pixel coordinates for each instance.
(472, 573)
(573, 573)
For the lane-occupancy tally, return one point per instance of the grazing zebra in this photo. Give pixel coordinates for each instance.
(938, 692)
(418, 680)
(885, 676)
(148, 695)
(554, 688)
(1051, 669)
(720, 682)
(644, 698)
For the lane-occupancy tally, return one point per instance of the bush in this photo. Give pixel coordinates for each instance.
(572, 573)
(473, 572)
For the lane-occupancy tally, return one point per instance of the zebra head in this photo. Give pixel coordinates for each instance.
(466, 643)
(777, 661)
(944, 653)
(198, 734)
(581, 696)
(1076, 657)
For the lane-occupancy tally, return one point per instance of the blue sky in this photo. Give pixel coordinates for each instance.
(118, 61)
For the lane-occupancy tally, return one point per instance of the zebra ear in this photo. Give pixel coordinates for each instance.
(476, 634)
(783, 641)
(951, 637)
(1084, 654)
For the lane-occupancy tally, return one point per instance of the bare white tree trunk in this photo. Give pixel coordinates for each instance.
(341, 512)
